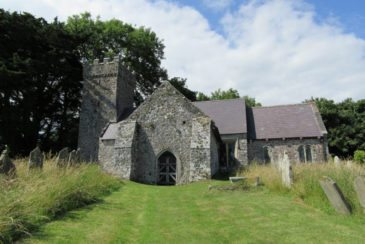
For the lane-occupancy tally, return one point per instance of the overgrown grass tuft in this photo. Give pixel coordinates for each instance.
(35, 197)
(306, 182)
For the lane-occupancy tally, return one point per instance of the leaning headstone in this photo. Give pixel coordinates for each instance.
(74, 157)
(337, 161)
(62, 158)
(257, 181)
(359, 185)
(35, 159)
(335, 196)
(6, 166)
(286, 171)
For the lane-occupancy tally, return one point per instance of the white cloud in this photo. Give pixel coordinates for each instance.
(272, 50)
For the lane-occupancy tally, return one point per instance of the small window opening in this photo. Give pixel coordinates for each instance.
(267, 158)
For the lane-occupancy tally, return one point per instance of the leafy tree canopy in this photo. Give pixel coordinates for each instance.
(345, 123)
(180, 85)
(139, 47)
(39, 89)
(228, 94)
(40, 73)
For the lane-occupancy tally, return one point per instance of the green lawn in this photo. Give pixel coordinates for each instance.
(192, 214)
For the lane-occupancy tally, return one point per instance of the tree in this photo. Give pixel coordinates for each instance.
(229, 94)
(202, 97)
(40, 86)
(251, 101)
(140, 48)
(40, 73)
(221, 94)
(345, 124)
(180, 85)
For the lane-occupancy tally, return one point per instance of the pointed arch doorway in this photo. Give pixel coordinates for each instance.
(167, 169)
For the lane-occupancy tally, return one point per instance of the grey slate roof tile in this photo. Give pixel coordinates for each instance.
(285, 121)
(229, 115)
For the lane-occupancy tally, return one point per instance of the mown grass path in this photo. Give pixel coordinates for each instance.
(192, 214)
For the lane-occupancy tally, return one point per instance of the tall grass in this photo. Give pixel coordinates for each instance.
(35, 197)
(306, 182)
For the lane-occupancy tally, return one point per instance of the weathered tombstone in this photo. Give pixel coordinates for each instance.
(359, 185)
(62, 158)
(234, 179)
(35, 159)
(257, 181)
(335, 196)
(337, 161)
(349, 164)
(286, 171)
(6, 166)
(74, 157)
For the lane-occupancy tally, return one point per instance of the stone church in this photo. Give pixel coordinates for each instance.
(170, 140)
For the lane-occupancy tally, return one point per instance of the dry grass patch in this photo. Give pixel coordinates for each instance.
(35, 197)
(306, 182)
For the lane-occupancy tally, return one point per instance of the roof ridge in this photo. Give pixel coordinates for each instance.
(219, 100)
(282, 105)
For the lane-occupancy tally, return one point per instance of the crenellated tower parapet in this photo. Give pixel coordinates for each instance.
(108, 91)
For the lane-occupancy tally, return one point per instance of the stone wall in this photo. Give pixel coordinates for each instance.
(214, 154)
(241, 152)
(166, 121)
(200, 152)
(164, 124)
(117, 156)
(108, 90)
(276, 149)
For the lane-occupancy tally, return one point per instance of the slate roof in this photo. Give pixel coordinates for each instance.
(229, 115)
(286, 121)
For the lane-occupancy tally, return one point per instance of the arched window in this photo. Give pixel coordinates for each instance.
(305, 153)
(301, 153)
(308, 153)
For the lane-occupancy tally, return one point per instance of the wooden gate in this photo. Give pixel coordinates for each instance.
(167, 169)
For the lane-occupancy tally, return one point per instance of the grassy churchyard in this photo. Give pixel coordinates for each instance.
(192, 213)
(81, 204)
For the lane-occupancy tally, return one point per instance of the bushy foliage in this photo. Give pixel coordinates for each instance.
(33, 198)
(359, 156)
(345, 123)
(140, 47)
(40, 76)
(180, 85)
(228, 94)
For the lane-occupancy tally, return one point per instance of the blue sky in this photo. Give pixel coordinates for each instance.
(348, 13)
(278, 51)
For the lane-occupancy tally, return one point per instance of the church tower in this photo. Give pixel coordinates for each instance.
(108, 91)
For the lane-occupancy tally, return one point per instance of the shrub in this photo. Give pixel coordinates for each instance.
(359, 156)
(35, 197)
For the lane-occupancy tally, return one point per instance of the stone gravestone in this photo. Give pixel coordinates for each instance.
(257, 181)
(349, 164)
(335, 196)
(286, 171)
(35, 159)
(6, 166)
(62, 158)
(337, 161)
(74, 157)
(359, 185)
